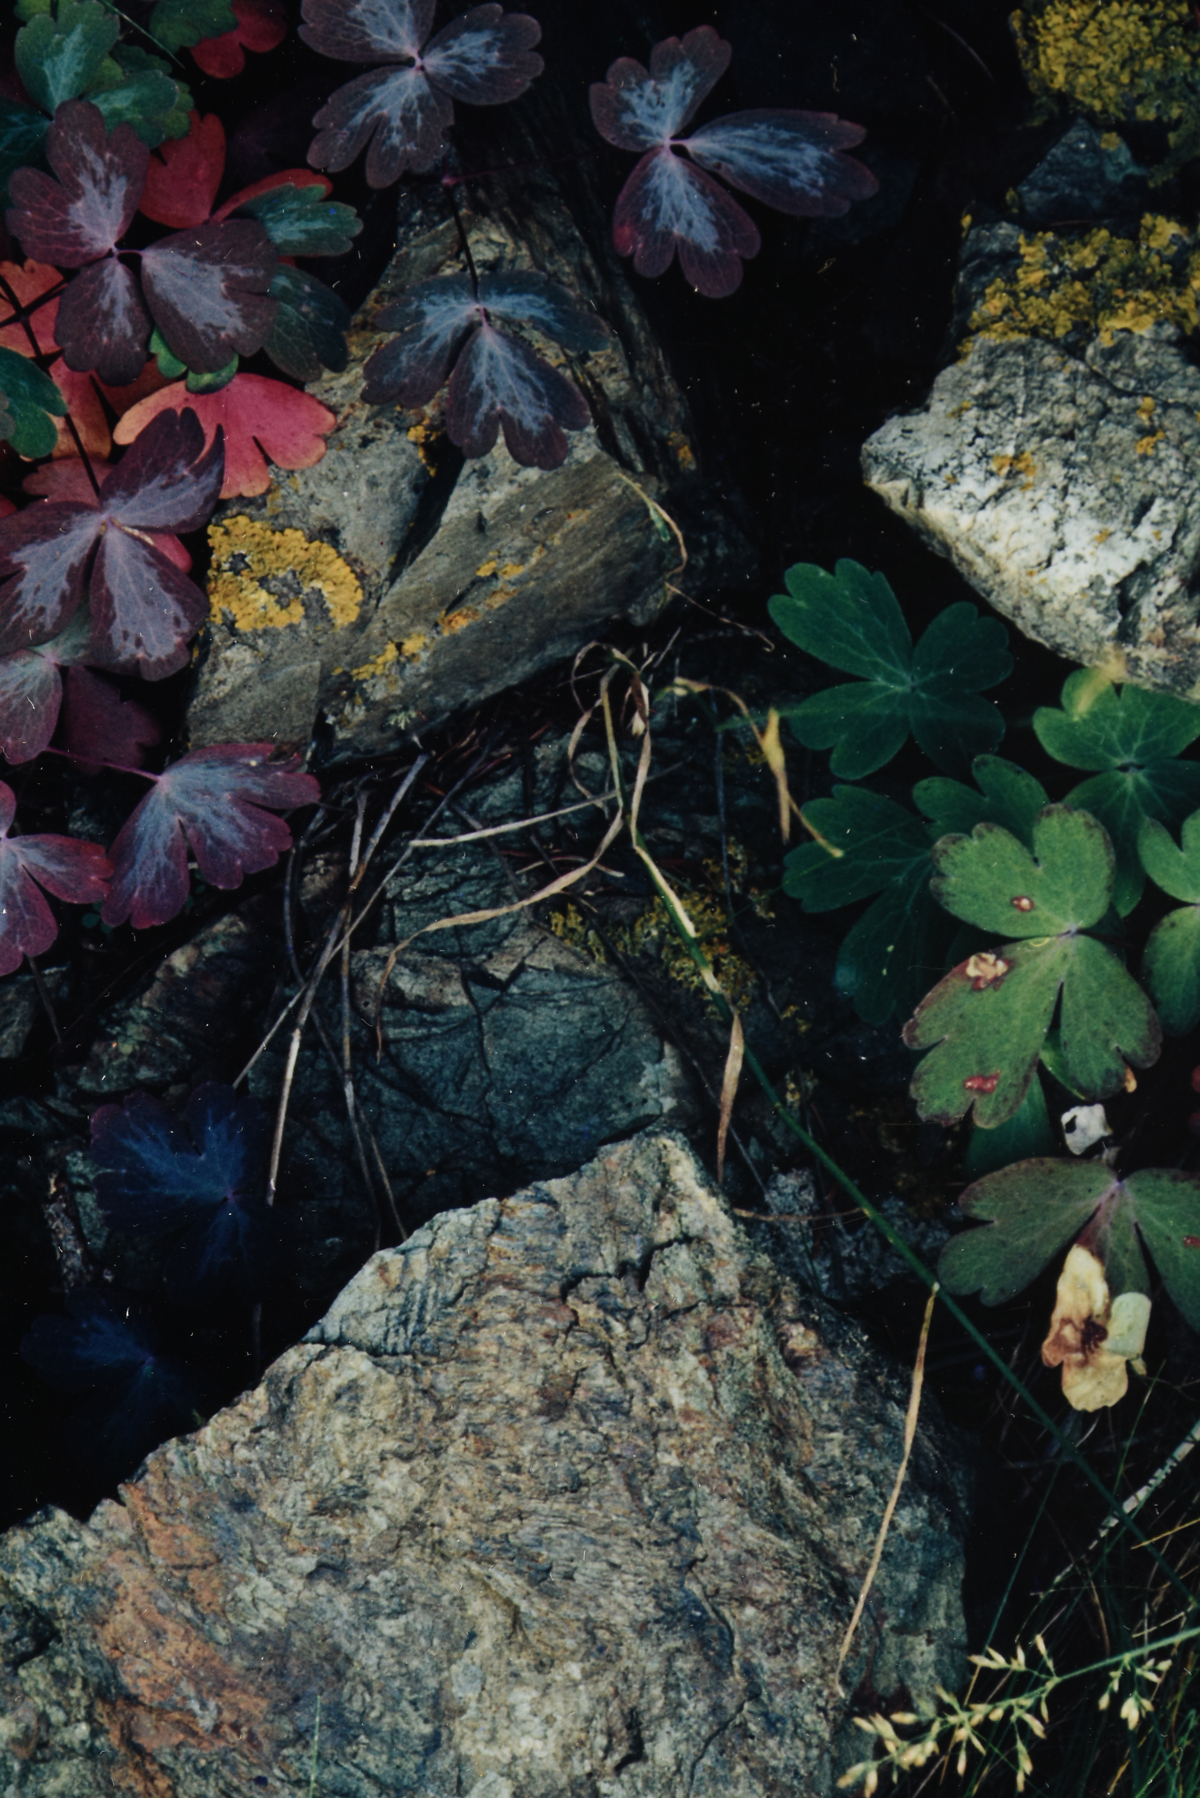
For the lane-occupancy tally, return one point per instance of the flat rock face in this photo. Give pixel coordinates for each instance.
(1064, 488)
(569, 1495)
(392, 583)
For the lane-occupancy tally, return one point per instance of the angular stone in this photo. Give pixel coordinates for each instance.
(569, 1495)
(1063, 487)
(391, 583)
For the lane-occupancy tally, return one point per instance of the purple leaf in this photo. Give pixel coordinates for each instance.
(637, 110)
(435, 319)
(157, 1173)
(43, 556)
(485, 56)
(667, 206)
(81, 215)
(31, 690)
(790, 160)
(498, 381)
(207, 290)
(367, 30)
(62, 865)
(143, 607)
(102, 323)
(398, 111)
(533, 299)
(403, 111)
(214, 800)
(100, 726)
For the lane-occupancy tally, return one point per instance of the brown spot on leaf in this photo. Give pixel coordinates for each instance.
(1023, 902)
(1191, 1242)
(982, 1083)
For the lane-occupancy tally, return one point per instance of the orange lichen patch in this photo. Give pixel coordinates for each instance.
(485, 568)
(1092, 1336)
(450, 623)
(1023, 465)
(684, 454)
(1145, 446)
(378, 664)
(411, 647)
(421, 435)
(260, 577)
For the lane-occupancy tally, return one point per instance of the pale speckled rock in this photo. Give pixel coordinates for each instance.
(391, 583)
(569, 1497)
(1064, 489)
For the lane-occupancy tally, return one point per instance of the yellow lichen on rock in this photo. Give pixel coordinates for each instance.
(1022, 465)
(1114, 59)
(259, 576)
(378, 664)
(1094, 285)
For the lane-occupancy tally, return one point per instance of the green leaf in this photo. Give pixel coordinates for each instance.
(140, 89)
(29, 395)
(302, 221)
(169, 365)
(22, 139)
(308, 334)
(1168, 1216)
(992, 880)
(213, 381)
(1171, 961)
(851, 620)
(1030, 1211)
(59, 57)
(1033, 1209)
(178, 24)
(986, 1022)
(1135, 736)
(1028, 1132)
(868, 845)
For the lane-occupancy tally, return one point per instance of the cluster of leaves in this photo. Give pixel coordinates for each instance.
(197, 1186)
(1020, 905)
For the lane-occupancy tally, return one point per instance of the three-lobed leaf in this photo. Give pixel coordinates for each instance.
(1133, 737)
(254, 416)
(220, 803)
(448, 329)
(1171, 960)
(31, 401)
(985, 1023)
(791, 160)
(851, 620)
(400, 113)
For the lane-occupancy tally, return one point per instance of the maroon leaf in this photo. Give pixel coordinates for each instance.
(214, 800)
(207, 290)
(367, 30)
(498, 381)
(83, 214)
(43, 558)
(397, 111)
(636, 109)
(143, 607)
(31, 691)
(402, 112)
(100, 726)
(791, 160)
(485, 56)
(435, 318)
(667, 206)
(62, 865)
(103, 324)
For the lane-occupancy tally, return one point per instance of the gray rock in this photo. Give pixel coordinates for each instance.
(391, 583)
(844, 1258)
(1063, 487)
(568, 1496)
(1085, 175)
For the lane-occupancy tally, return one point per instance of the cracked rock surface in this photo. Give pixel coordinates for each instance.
(570, 1495)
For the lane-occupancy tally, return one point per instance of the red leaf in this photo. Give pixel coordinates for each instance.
(214, 800)
(100, 726)
(207, 289)
(290, 426)
(84, 213)
(62, 865)
(261, 25)
(185, 173)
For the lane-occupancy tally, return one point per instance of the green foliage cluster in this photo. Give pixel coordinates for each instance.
(997, 914)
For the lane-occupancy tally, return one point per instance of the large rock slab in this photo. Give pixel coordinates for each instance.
(569, 1495)
(392, 583)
